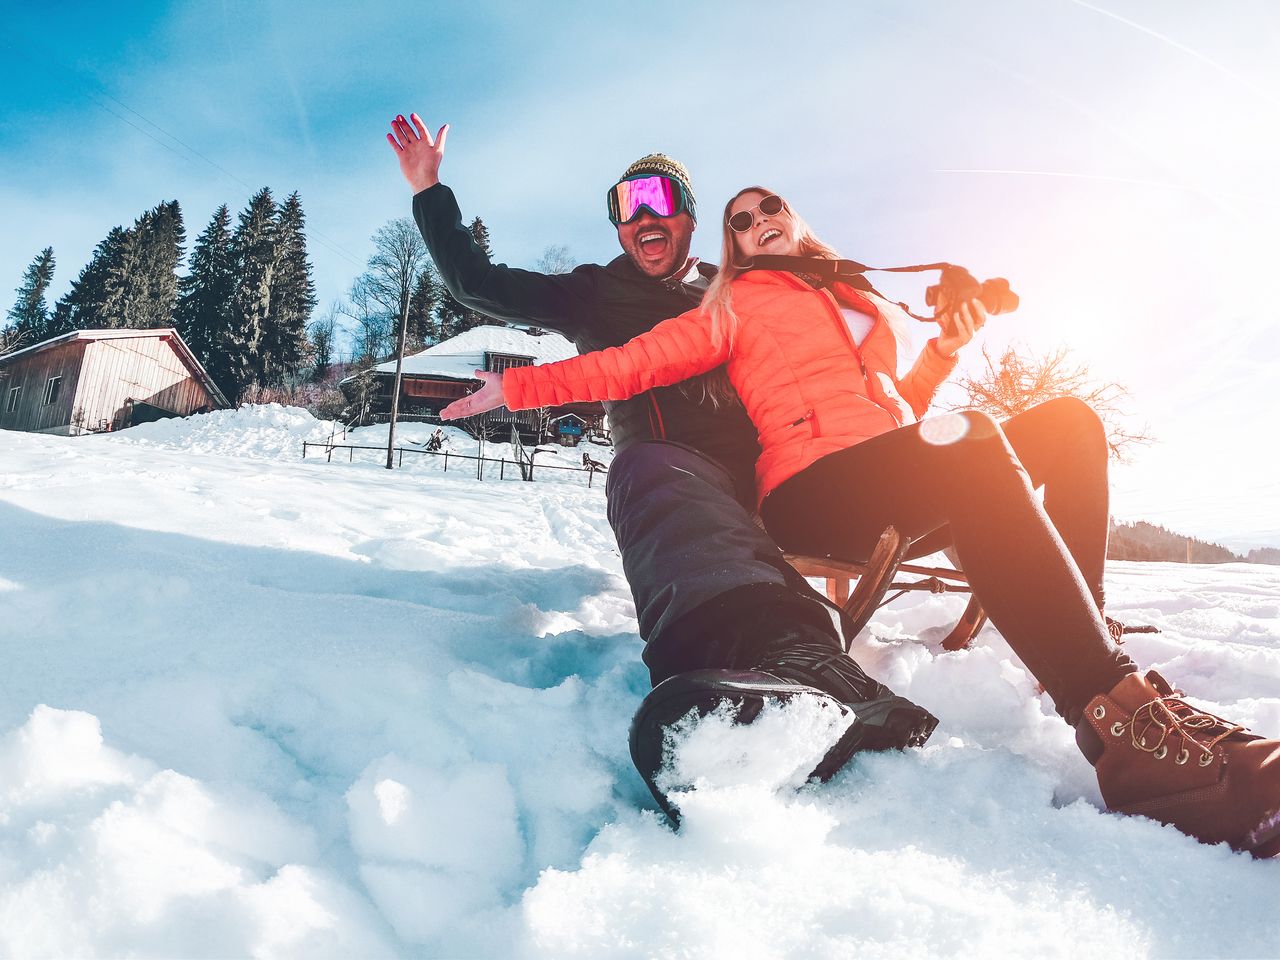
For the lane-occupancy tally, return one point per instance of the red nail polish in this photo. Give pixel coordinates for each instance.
(400, 117)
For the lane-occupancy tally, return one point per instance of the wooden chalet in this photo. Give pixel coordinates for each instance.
(440, 374)
(92, 381)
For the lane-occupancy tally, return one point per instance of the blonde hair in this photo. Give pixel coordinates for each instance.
(717, 302)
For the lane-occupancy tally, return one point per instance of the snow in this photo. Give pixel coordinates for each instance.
(255, 705)
(459, 357)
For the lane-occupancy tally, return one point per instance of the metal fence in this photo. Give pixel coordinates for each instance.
(518, 471)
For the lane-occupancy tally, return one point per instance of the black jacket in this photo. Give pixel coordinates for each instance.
(595, 307)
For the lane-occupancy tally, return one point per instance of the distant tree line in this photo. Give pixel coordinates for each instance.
(243, 306)
(246, 304)
(1148, 541)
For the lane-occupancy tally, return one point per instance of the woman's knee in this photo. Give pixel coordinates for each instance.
(971, 440)
(968, 427)
(1072, 417)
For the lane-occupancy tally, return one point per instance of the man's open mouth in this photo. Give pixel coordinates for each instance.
(653, 243)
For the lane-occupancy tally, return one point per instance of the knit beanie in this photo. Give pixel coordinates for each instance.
(661, 164)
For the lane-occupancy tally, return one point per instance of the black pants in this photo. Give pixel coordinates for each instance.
(1036, 569)
(710, 585)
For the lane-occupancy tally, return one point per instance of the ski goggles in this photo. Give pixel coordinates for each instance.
(741, 221)
(661, 196)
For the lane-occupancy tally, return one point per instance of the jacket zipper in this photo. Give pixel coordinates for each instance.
(848, 334)
(834, 311)
(857, 352)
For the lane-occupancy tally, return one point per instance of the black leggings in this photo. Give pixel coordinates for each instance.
(1037, 570)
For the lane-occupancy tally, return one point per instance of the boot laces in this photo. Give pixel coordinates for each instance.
(1173, 716)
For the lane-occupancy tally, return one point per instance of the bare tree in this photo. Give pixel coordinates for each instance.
(398, 259)
(321, 333)
(1020, 380)
(556, 259)
(375, 327)
(363, 389)
(11, 339)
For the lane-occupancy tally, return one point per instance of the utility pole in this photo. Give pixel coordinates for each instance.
(395, 393)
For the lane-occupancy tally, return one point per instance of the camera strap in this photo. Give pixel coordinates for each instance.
(839, 271)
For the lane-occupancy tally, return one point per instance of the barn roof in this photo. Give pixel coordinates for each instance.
(168, 334)
(459, 357)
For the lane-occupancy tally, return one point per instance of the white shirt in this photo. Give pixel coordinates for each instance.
(859, 323)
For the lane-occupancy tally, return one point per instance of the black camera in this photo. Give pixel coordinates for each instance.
(957, 285)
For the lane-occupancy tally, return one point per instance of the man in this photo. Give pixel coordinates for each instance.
(721, 613)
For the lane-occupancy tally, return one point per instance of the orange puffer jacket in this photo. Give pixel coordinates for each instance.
(807, 387)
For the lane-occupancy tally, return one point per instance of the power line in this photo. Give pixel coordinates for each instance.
(97, 94)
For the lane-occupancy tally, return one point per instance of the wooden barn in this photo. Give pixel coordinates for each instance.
(440, 374)
(91, 381)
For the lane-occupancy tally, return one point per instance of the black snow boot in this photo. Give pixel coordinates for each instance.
(887, 721)
(799, 663)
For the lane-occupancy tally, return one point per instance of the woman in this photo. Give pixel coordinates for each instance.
(844, 455)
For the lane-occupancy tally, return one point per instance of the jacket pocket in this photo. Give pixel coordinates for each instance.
(810, 417)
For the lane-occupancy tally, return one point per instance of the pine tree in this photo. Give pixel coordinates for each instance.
(203, 314)
(428, 293)
(451, 316)
(131, 280)
(480, 232)
(454, 317)
(254, 247)
(94, 300)
(293, 298)
(29, 315)
(148, 275)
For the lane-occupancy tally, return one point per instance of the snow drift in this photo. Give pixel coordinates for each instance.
(259, 706)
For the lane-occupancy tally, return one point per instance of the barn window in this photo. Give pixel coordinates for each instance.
(13, 399)
(51, 388)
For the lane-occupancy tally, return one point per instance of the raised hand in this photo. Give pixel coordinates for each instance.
(418, 153)
(959, 325)
(488, 397)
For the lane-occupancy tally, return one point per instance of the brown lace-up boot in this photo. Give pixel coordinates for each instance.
(1160, 757)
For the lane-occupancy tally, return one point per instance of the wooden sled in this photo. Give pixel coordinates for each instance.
(880, 574)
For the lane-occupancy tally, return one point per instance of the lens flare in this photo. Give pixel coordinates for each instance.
(941, 431)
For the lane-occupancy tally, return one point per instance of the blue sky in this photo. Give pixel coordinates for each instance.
(1116, 160)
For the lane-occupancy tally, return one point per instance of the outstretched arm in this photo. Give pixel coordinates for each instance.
(674, 350)
(560, 302)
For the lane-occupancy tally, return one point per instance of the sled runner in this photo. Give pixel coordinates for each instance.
(879, 574)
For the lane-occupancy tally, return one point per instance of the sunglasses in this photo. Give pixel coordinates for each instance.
(741, 221)
(661, 196)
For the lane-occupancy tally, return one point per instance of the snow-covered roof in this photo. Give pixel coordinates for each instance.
(459, 357)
